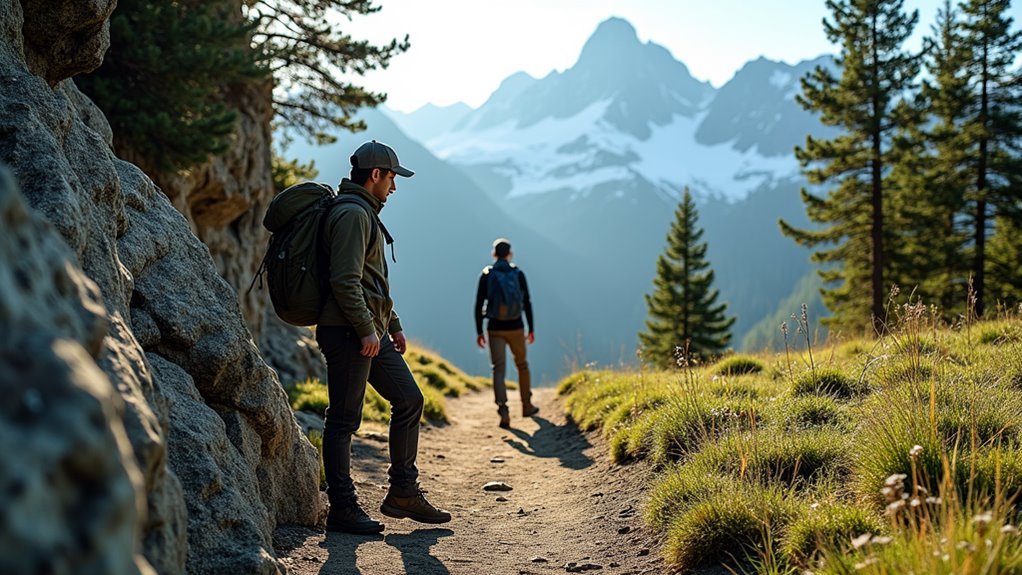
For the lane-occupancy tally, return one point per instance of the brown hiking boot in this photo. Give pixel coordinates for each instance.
(349, 517)
(414, 507)
(505, 417)
(528, 410)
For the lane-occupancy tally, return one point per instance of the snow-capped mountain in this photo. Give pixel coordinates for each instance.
(595, 157)
(629, 110)
(430, 120)
(582, 170)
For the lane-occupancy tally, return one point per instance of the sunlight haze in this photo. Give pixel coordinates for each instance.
(462, 49)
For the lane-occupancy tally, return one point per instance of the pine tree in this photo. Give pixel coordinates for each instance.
(864, 101)
(287, 173)
(170, 66)
(930, 176)
(162, 80)
(993, 126)
(683, 309)
(1005, 262)
(313, 61)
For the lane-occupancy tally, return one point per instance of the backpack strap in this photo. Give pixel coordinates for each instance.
(374, 219)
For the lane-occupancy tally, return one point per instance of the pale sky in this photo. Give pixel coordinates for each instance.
(462, 49)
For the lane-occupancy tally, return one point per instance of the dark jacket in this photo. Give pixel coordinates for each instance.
(496, 324)
(358, 272)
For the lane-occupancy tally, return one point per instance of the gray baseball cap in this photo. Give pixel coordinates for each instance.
(376, 155)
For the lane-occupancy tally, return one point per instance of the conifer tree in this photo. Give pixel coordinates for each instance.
(161, 81)
(313, 62)
(930, 177)
(683, 309)
(1005, 262)
(171, 67)
(865, 101)
(287, 173)
(992, 128)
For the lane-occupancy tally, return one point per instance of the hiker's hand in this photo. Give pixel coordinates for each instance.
(481, 340)
(371, 345)
(400, 343)
(532, 338)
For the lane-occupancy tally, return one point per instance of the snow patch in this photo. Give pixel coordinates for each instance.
(780, 79)
(670, 159)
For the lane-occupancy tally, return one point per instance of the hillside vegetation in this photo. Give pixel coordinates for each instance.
(896, 455)
(437, 378)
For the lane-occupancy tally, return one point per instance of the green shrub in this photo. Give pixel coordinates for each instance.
(732, 389)
(619, 426)
(970, 541)
(828, 527)
(592, 404)
(1011, 368)
(946, 419)
(377, 410)
(728, 527)
(788, 459)
(904, 370)
(677, 489)
(827, 381)
(1000, 334)
(811, 411)
(578, 379)
(919, 346)
(636, 440)
(442, 382)
(433, 409)
(309, 395)
(737, 365)
(686, 423)
(630, 409)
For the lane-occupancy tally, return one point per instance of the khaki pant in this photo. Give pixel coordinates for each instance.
(499, 342)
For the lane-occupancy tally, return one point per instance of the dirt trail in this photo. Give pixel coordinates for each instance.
(569, 504)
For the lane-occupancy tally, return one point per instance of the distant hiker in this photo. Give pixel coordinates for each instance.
(362, 339)
(502, 297)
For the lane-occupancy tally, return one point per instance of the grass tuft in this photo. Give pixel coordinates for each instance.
(790, 460)
(727, 527)
(811, 411)
(828, 381)
(828, 527)
(737, 365)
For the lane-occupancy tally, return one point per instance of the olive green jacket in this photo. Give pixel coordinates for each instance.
(358, 271)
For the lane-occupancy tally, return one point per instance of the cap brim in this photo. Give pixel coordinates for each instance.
(402, 171)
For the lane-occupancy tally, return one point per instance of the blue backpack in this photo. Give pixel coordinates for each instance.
(504, 297)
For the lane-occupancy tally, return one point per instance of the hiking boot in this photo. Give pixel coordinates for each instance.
(414, 507)
(349, 517)
(528, 410)
(505, 417)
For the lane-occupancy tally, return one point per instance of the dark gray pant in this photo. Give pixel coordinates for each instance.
(347, 373)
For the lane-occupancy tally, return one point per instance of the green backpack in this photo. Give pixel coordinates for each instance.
(297, 271)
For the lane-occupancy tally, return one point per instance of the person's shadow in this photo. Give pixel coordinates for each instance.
(565, 442)
(341, 552)
(414, 548)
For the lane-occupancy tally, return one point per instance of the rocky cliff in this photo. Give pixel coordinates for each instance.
(147, 432)
(223, 201)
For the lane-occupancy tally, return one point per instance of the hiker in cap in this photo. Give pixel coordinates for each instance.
(502, 297)
(362, 339)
